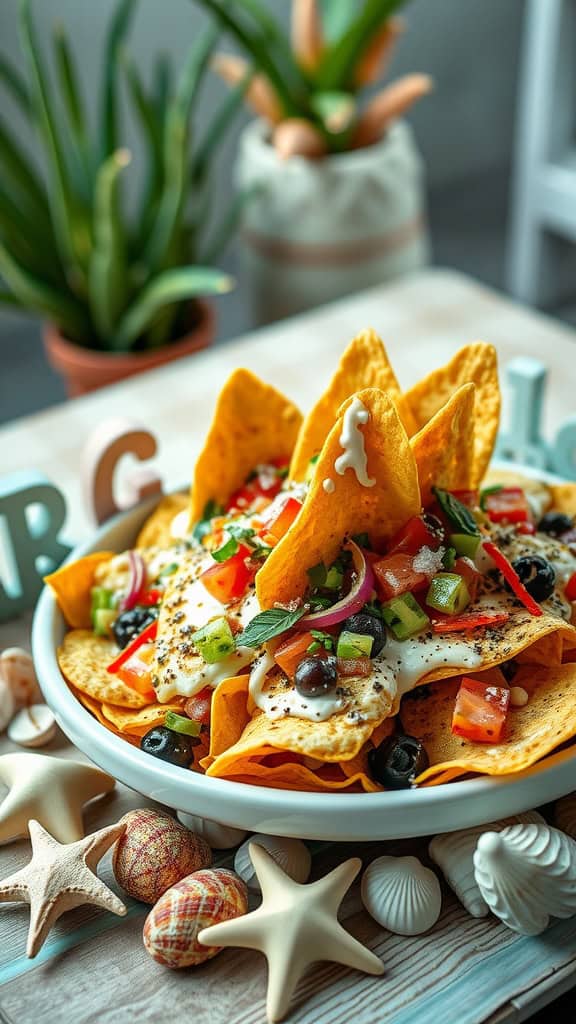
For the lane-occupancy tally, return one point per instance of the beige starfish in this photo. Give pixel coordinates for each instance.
(294, 926)
(50, 789)
(60, 877)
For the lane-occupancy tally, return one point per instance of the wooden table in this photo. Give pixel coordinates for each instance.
(93, 968)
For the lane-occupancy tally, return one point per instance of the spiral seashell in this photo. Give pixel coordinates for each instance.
(527, 874)
(401, 895)
(155, 852)
(219, 837)
(196, 902)
(7, 705)
(454, 852)
(290, 854)
(565, 815)
(17, 671)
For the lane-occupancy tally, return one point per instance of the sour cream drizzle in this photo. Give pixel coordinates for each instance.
(352, 441)
(280, 703)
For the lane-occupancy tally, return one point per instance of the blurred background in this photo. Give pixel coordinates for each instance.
(465, 131)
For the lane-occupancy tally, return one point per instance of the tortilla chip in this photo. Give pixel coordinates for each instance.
(229, 715)
(364, 364)
(253, 424)
(295, 776)
(564, 498)
(547, 721)
(473, 364)
(444, 447)
(157, 530)
(326, 518)
(72, 584)
(95, 708)
(138, 721)
(83, 659)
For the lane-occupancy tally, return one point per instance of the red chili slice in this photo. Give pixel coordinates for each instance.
(470, 620)
(570, 590)
(146, 636)
(512, 577)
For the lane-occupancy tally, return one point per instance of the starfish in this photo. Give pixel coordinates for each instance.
(50, 789)
(60, 877)
(294, 926)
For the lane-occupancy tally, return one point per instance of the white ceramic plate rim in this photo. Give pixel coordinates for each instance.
(243, 805)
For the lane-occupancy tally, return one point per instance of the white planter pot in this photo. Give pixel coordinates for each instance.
(317, 230)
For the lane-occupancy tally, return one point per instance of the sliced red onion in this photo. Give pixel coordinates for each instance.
(136, 582)
(360, 593)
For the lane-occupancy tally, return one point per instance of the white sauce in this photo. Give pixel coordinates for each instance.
(281, 703)
(179, 525)
(329, 485)
(352, 441)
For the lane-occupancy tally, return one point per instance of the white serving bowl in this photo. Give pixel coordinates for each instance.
(329, 816)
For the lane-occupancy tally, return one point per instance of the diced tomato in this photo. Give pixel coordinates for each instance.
(198, 707)
(147, 635)
(275, 529)
(395, 575)
(136, 671)
(468, 498)
(354, 666)
(509, 505)
(469, 620)
(151, 597)
(291, 652)
(228, 580)
(266, 483)
(570, 589)
(512, 577)
(466, 568)
(480, 711)
(526, 528)
(414, 535)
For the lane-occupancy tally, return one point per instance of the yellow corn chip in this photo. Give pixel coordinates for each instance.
(95, 708)
(546, 721)
(253, 424)
(444, 447)
(348, 506)
(83, 659)
(229, 715)
(364, 364)
(156, 531)
(564, 498)
(138, 721)
(474, 364)
(72, 584)
(292, 775)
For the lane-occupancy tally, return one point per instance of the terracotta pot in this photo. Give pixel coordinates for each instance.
(87, 369)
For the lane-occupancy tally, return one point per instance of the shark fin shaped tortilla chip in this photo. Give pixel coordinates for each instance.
(365, 480)
(364, 364)
(473, 364)
(253, 424)
(444, 447)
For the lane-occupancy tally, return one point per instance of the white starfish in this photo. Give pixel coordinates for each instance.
(50, 789)
(294, 926)
(60, 877)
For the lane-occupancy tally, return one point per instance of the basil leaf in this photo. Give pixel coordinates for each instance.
(486, 491)
(456, 512)
(204, 525)
(226, 551)
(267, 625)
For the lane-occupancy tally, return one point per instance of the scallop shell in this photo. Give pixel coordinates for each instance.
(155, 852)
(402, 895)
(7, 705)
(527, 874)
(454, 852)
(219, 837)
(290, 854)
(196, 902)
(33, 726)
(17, 671)
(565, 815)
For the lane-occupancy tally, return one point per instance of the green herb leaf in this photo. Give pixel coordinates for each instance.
(456, 512)
(267, 625)
(449, 558)
(314, 647)
(204, 526)
(325, 640)
(229, 548)
(240, 532)
(486, 491)
(362, 540)
(317, 575)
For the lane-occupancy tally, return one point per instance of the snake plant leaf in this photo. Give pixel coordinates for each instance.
(227, 226)
(26, 241)
(170, 286)
(336, 68)
(218, 129)
(10, 300)
(33, 293)
(151, 125)
(16, 85)
(337, 16)
(162, 83)
(108, 276)
(15, 166)
(73, 103)
(109, 115)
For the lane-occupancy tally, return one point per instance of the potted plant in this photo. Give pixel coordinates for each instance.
(340, 198)
(119, 293)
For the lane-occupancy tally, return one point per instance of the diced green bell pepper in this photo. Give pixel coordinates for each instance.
(102, 620)
(214, 641)
(448, 593)
(465, 544)
(404, 616)
(101, 599)
(354, 645)
(182, 724)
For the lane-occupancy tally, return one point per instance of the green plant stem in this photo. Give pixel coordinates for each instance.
(337, 65)
(108, 279)
(117, 31)
(32, 293)
(72, 99)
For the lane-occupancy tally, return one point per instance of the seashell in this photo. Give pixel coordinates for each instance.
(565, 815)
(219, 837)
(17, 671)
(196, 902)
(33, 726)
(454, 852)
(290, 854)
(401, 894)
(155, 852)
(7, 705)
(527, 874)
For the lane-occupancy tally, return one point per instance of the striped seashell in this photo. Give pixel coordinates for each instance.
(454, 852)
(196, 902)
(155, 852)
(401, 895)
(7, 705)
(565, 815)
(527, 874)
(219, 837)
(18, 672)
(290, 854)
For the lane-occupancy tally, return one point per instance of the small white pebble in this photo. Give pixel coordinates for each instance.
(518, 696)
(32, 727)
